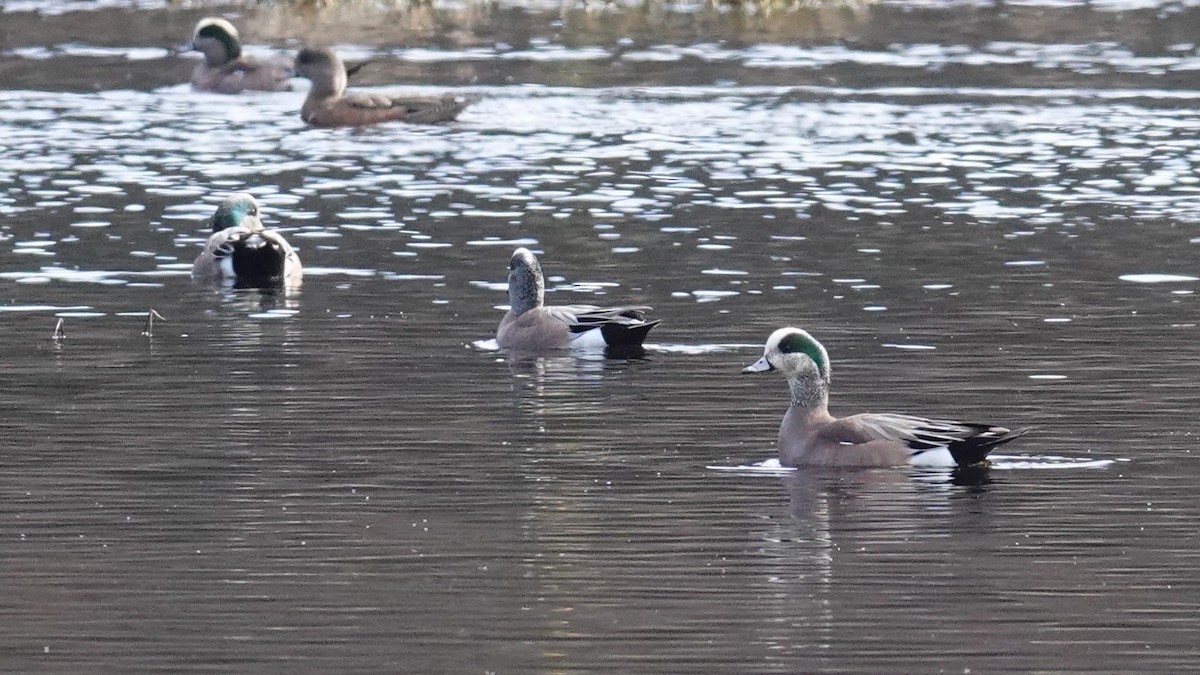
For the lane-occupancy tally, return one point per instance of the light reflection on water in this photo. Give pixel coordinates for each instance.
(772, 467)
(351, 477)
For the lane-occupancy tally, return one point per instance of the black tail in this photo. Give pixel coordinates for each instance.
(257, 264)
(974, 449)
(353, 68)
(626, 352)
(626, 335)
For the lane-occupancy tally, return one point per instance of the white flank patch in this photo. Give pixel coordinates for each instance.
(591, 339)
(937, 457)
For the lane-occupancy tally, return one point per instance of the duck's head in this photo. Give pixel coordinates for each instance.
(238, 210)
(217, 39)
(795, 353)
(526, 287)
(322, 67)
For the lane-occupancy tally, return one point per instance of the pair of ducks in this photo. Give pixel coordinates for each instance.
(809, 434)
(242, 250)
(226, 71)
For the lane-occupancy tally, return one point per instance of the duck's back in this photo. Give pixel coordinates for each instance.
(242, 74)
(362, 109)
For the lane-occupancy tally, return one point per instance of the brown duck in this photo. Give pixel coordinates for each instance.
(327, 104)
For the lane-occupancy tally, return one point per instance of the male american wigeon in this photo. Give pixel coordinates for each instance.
(809, 435)
(243, 252)
(225, 70)
(327, 104)
(530, 325)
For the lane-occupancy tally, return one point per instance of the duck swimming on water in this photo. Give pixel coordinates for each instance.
(328, 104)
(532, 325)
(243, 252)
(225, 70)
(809, 435)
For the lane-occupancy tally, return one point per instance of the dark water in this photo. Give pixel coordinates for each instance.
(984, 211)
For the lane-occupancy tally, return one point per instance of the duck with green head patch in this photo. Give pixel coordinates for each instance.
(225, 70)
(328, 104)
(530, 325)
(809, 435)
(242, 252)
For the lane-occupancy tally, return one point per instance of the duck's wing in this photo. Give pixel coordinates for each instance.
(619, 326)
(276, 241)
(214, 261)
(581, 318)
(967, 442)
(291, 260)
(415, 109)
(292, 270)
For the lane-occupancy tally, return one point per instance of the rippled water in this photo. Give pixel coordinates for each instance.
(982, 211)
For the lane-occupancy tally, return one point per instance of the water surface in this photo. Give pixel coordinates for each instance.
(986, 211)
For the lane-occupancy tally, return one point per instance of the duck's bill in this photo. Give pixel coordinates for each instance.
(759, 366)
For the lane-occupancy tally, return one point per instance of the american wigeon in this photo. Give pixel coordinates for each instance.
(809, 435)
(530, 325)
(327, 104)
(243, 252)
(224, 69)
